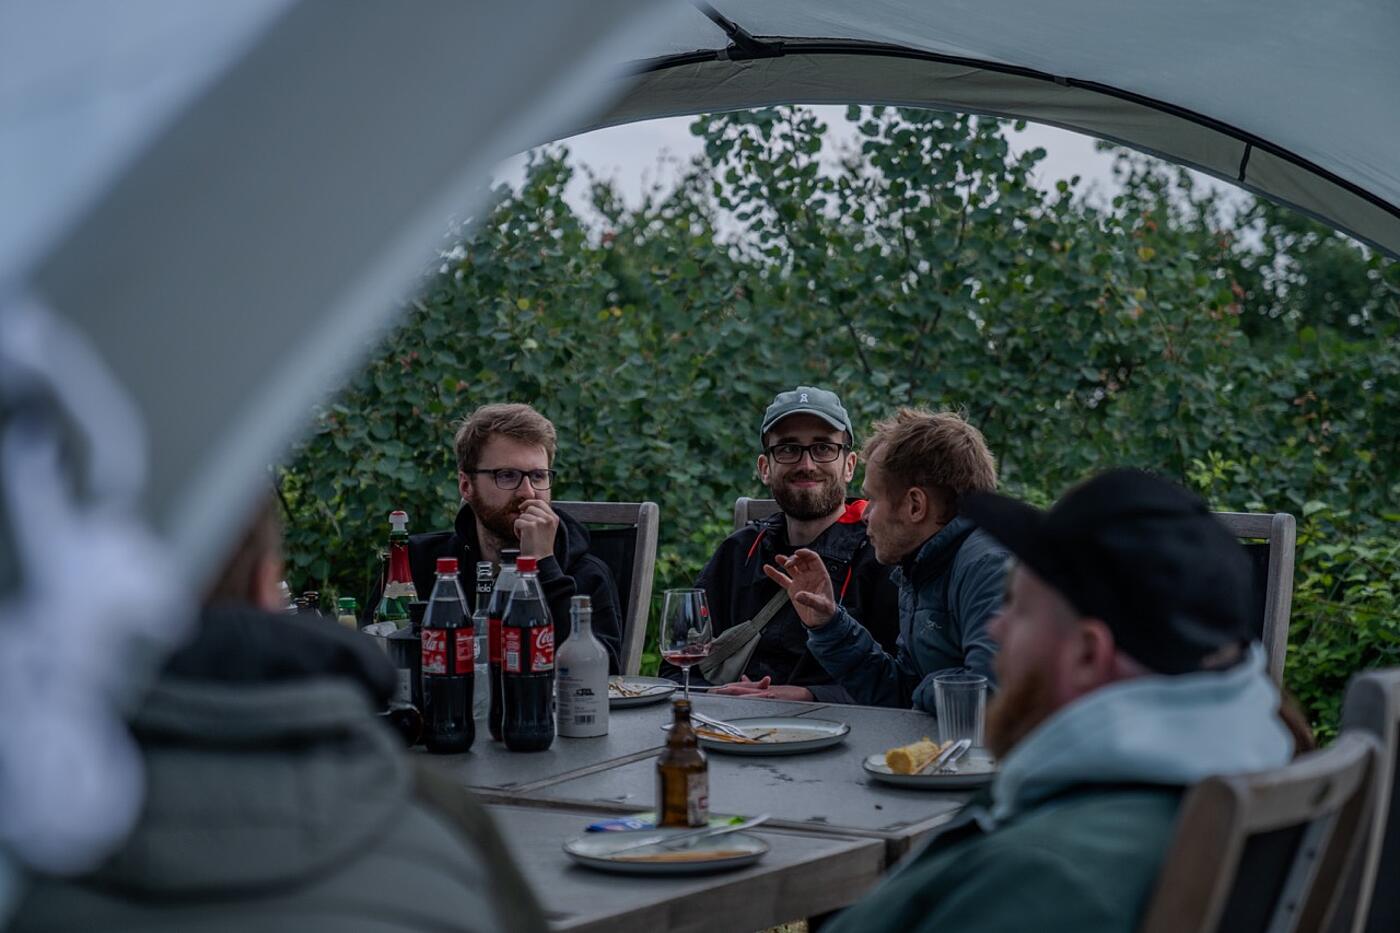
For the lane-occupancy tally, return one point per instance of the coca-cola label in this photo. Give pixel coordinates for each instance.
(463, 652)
(527, 650)
(542, 650)
(434, 651)
(493, 639)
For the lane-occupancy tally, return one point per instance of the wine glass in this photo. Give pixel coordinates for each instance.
(686, 632)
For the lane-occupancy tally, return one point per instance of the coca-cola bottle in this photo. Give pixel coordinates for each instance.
(527, 665)
(495, 613)
(399, 590)
(447, 665)
(481, 626)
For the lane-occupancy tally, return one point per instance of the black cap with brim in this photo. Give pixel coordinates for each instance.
(1141, 554)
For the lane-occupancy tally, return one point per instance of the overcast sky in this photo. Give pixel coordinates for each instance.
(632, 154)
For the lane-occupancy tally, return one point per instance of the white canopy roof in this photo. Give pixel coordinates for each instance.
(1294, 100)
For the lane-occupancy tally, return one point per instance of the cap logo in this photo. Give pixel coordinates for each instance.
(803, 399)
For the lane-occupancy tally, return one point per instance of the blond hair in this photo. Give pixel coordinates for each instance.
(514, 420)
(934, 450)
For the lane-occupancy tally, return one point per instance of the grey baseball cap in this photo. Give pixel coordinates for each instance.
(807, 400)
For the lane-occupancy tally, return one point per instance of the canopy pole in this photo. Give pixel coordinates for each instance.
(742, 43)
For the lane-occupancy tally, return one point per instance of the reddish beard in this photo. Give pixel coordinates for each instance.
(809, 504)
(1016, 710)
(500, 521)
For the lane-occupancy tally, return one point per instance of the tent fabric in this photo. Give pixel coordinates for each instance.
(1296, 101)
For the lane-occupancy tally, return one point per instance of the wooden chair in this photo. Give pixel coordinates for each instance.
(1267, 851)
(1269, 539)
(623, 536)
(1372, 900)
(751, 510)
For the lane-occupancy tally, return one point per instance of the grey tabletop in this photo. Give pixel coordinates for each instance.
(802, 875)
(634, 732)
(823, 790)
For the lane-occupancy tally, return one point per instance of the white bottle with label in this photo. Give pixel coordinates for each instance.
(581, 669)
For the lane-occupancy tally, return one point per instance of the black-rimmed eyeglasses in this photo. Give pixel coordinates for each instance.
(820, 452)
(510, 478)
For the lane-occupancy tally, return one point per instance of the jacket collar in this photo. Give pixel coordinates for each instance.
(933, 556)
(839, 542)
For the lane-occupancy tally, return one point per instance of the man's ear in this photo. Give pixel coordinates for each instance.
(464, 485)
(1093, 651)
(916, 503)
(763, 469)
(850, 472)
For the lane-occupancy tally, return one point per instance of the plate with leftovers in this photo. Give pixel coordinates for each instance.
(628, 854)
(771, 735)
(905, 766)
(638, 691)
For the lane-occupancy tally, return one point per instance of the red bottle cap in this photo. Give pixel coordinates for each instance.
(447, 565)
(526, 564)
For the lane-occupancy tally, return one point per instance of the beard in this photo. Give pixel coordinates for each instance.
(1016, 711)
(500, 521)
(807, 505)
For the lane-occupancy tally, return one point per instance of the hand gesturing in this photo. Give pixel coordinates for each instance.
(808, 585)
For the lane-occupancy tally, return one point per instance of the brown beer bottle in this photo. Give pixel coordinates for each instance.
(682, 775)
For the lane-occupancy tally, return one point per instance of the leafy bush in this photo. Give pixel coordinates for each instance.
(1248, 353)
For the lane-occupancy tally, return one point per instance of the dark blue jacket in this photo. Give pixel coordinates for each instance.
(948, 590)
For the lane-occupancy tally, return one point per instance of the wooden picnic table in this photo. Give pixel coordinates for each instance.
(829, 819)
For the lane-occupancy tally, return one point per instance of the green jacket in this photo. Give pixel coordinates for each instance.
(1072, 831)
(1084, 862)
(275, 801)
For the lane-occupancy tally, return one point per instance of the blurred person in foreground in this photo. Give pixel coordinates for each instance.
(807, 459)
(919, 468)
(277, 800)
(505, 476)
(1127, 675)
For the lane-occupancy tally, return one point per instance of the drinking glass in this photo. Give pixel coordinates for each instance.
(686, 632)
(961, 703)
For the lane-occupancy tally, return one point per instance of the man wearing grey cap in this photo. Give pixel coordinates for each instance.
(807, 459)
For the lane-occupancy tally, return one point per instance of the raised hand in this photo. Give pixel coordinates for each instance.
(536, 528)
(808, 585)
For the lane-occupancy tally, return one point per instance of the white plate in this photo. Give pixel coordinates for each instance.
(657, 689)
(717, 853)
(975, 769)
(792, 735)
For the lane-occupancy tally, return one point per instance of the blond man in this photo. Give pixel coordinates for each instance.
(506, 478)
(919, 467)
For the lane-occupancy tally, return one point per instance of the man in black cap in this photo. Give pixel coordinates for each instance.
(1126, 675)
(807, 458)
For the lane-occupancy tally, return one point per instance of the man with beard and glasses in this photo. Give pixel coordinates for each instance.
(1127, 675)
(505, 454)
(919, 466)
(805, 440)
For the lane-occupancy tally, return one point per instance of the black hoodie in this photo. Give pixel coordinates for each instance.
(570, 571)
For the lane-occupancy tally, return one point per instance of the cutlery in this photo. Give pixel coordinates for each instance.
(695, 835)
(946, 757)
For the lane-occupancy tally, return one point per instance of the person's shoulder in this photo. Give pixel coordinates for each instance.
(1111, 825)
(981, 546)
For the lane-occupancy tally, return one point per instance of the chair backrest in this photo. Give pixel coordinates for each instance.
(1269, 539)
(1373, 705)
(623, 536)
(751, 510)
(1266, 852)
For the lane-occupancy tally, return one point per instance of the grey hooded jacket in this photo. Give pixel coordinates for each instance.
(948, 590)
(276, 800)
